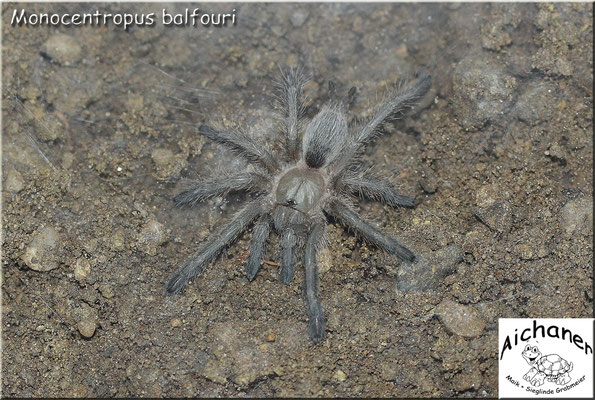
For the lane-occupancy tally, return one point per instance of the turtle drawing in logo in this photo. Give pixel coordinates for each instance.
(551, 367)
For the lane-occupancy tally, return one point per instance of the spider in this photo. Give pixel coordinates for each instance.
(296, 189)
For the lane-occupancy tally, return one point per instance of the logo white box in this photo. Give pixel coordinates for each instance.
(545, 357)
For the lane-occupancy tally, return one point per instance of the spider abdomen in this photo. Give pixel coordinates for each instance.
(324, 136)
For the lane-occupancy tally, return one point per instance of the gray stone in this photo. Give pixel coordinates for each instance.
(459, 319)
(38, 255)
(427, 273)
(497, 216)
(63, 49)
(482, 91)
(577, 215)
(536, 102)
(14, 181)
(87, 327)
(82, 268)
(298, 18)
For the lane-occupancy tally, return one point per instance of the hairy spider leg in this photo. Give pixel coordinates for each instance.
(213, 246)
(373, 188)
(201, 190)
(292, 108)
(393, 102)
(313, 306)
(288, 243)
(352, 220)
(260, 235)
(243, 145)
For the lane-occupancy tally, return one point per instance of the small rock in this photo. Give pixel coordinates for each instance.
(298, 18)
(161, 156)
(402, 51)
(245, 378)
(82, 268)
(487, 195)
(467, 380)
(427, 273)
(494, 37)
(339, 376)
(134, 103)
(460, 320)
(277, 30)
(497, 217)
(167, 163)
(51, 127)
(556, 153)
(524, 251)
(87, 327)
(14, 181)
(482, 91)
(38, 255)
(270, 337)
(117, 240)
(577, 215)
(106, 291)
(536, 102)
(176, 322)
(63, 49)
(214, 372)
(492, 208)
(152, 234)
(428, 181)
(67, 160)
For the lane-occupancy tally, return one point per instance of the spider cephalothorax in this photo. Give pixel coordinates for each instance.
(296, 190)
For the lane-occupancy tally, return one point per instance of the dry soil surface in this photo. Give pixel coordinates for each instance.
(100, 128)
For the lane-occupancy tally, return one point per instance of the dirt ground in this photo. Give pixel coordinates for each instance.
(99, 129)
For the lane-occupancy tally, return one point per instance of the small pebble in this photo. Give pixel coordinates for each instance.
(67, 160)
(298, 18)
(87, 327)
(535, 102)
(556, 153)
(106, 291)
(484, 91)
(215, 372)
(63, 49)
(152, 233)
(167, 163)
(577, 215)
(162, 157)
(270, 337)
(497, 216)
(460, 320)
(428, 272)
(82, 269)
(429, 184)
(176, 322)
(38, 255)
(339, 376)
(14, 181)
(469, 379)
(117, 239)
(277, 30)
(525, 251)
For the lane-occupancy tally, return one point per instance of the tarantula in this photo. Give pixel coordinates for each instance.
(297, 188)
